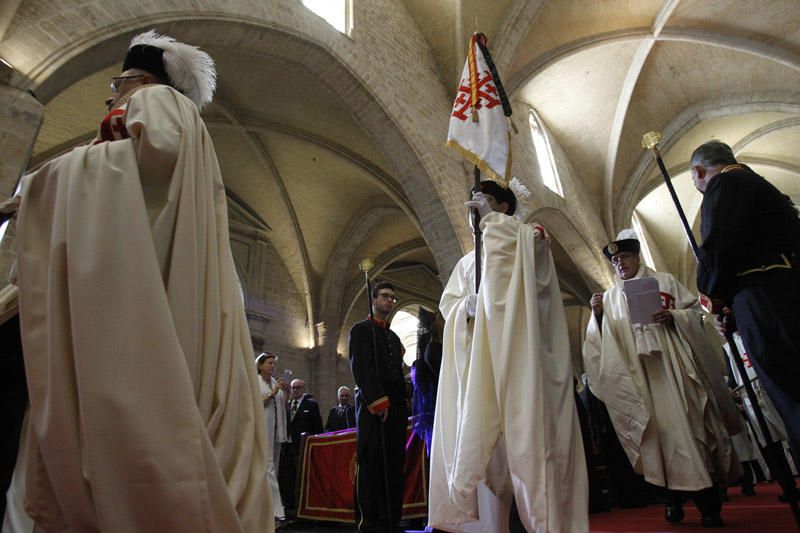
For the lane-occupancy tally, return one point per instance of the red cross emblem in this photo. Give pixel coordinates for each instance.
(667, 300)
(487, 96)
(113, 126)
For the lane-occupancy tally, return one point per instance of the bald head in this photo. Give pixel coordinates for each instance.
(298, 388)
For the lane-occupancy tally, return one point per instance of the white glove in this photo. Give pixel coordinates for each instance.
(480, 203)
(471, 305)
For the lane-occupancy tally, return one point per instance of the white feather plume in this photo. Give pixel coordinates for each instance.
(627, 233)
(191, 70)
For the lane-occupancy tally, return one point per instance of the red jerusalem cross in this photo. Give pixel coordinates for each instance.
(487, 96)
(113, 126)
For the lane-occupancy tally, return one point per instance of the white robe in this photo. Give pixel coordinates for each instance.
(518, 386)
(664, 389)
(492, 512)
(145, 412)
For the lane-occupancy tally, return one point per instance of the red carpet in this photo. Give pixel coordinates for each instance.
(760, 513)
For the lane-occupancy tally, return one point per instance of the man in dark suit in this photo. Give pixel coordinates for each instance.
(303, 417)
(342, 416)
(303, 413)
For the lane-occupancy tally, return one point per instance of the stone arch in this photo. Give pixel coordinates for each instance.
(355, 234)
(588, 260)
(354, 293)
(408, 149)
(641, 182)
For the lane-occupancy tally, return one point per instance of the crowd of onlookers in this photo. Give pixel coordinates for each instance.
(290, 411)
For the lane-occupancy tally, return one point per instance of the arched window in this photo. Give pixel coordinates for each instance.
(404, 323)
(544, 155)
(337, 13)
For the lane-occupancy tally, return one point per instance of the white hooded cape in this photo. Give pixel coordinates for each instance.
(145, 411)
(664, 389)
(518, 386)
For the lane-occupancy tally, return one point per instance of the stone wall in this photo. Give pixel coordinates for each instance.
(384, 72)
(20, 118)
(275, 308)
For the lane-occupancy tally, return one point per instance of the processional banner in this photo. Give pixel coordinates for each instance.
(479, 129)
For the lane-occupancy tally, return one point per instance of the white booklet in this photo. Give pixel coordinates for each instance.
(643, 299)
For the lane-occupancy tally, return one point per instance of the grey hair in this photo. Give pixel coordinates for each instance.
(339, 390)
(713, 153)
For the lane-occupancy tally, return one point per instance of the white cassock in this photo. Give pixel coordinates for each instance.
(664, 389)
(145, 411)
(511, 414)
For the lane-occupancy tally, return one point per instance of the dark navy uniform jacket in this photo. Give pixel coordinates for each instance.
(748, 226)
(388, 383)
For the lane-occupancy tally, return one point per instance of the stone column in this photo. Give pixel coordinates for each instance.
(20, 118)
(312, 381)
(326, 368)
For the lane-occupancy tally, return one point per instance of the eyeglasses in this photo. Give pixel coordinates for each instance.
(298, 386)
(117, 81)
(388, 296)
(625, 256)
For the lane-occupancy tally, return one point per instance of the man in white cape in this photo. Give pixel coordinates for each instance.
(663, 386)
(505, 422)
(145, 412)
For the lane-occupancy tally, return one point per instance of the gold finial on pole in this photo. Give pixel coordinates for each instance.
(365, 265)
(651, 139)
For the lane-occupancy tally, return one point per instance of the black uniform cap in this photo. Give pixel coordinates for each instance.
(623, 245)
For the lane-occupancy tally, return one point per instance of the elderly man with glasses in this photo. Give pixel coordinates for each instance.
(145, 409)
(661, 381)
(303, 416)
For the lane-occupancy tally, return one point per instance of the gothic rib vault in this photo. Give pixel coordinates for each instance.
(331, 145)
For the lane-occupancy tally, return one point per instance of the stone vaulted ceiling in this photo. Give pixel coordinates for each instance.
(599, 74)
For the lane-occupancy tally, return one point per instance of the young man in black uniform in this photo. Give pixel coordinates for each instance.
(750, 263)
(380, 400)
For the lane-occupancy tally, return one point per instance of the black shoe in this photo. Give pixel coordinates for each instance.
(712, 521)
(673, 514)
